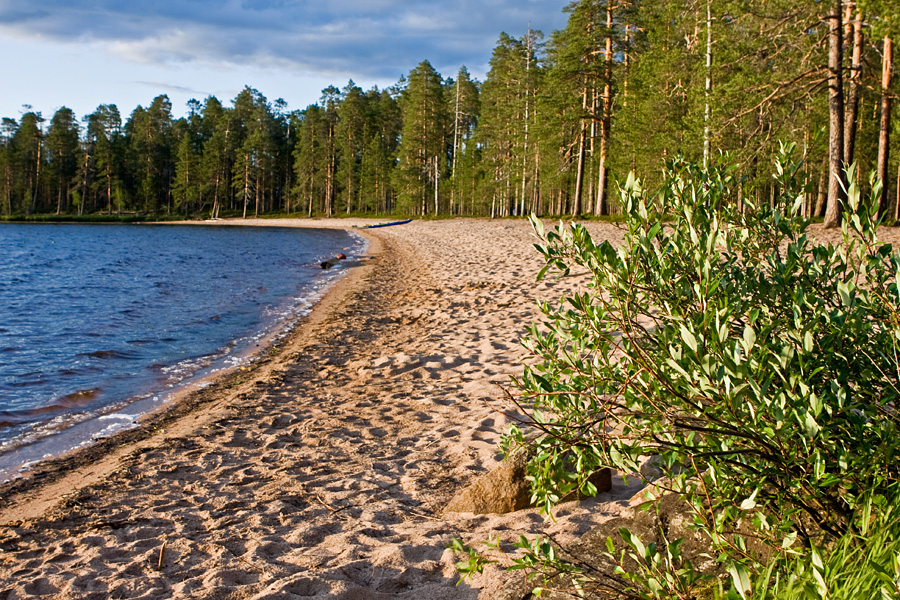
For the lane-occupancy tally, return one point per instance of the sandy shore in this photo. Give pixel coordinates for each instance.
(322, 471)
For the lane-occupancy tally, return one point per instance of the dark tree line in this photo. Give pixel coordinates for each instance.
(556, 121)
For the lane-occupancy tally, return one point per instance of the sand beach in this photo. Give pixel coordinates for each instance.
(322, 470)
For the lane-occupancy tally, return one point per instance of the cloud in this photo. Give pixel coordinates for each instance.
(374, 39)
(163, 87)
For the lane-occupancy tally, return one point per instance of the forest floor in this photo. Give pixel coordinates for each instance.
(323, 469)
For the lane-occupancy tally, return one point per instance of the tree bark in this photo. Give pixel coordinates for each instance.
(527, 107)
(579, 177)
(884, 131)
(851, 118)
(708, 89)
(246, 192)
(821, 195)
(836, 121)
(37, 171)
(605, 119)
(437, 182)
(455, 144)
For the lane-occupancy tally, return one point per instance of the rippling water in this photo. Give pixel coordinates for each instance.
(97, 320)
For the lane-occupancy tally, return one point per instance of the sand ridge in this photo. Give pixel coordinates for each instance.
(323, 472)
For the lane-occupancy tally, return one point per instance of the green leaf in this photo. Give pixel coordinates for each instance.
(688, 338)
(740, 577)
(818, 465)
(749, 338)
(810, 427)
(844, 292)
(789, 540)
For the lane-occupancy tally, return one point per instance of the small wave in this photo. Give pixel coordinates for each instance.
(26, 384)
(78, 399)
(106, 354)
(80, 371)
(31, 374)
(122, 416)
(81, 398)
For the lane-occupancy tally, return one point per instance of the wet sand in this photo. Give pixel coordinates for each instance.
(323, 469)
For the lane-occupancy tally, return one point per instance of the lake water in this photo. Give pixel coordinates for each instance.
(99, 323)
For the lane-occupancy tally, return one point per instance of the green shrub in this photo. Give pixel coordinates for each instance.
(760, 365)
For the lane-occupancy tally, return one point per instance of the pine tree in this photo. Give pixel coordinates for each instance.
(7, 131)
(351, 131)
(62, 149)
(423, 147)
(105, 126)
(502, 124)
(28, 148)
(214, 164)
(148, 136)
(465, 110)
(311, 160)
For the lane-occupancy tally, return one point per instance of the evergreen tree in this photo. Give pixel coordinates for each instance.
(501, 131)
(423, 147)
(313, 160)
(187, 186)
(465, 111)
(62, 149)
(148, 133)
(351, 131)
(377, 161)
(105, 126)
(27, 156)
(7, 167)
(214, 163)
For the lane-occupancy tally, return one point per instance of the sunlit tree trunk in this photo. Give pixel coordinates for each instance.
(708, 88)
(579, 177)
(884, 131)
(246, 190)
(851, 117)
(836, 120)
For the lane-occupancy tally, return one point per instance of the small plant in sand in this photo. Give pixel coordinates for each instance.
(759, 365)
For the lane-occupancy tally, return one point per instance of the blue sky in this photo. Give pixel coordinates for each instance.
(82, 53)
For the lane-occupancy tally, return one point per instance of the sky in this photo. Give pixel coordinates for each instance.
(83, 53)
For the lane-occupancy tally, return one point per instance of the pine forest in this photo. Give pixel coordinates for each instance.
(557, 121)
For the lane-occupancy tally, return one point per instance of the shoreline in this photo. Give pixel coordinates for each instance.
(36, 490)
(128, 412)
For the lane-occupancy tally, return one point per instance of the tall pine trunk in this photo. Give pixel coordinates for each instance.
(708, 88)
(579, 177)
(455, 146)
(851, 118)
(246, 192)
(605, 119)
(884, 131)
(836, 121)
